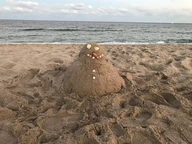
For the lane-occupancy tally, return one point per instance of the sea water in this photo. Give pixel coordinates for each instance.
(22, 31)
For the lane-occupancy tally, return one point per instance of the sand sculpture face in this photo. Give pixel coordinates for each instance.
(91, 74)
(93, 51)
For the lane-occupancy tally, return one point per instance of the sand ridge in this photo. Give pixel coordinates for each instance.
(155, 107)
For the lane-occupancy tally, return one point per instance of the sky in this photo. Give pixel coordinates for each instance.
(168, 11)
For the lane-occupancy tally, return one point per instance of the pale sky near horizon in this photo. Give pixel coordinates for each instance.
(100, 10)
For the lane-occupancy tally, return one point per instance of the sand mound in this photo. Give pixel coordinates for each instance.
(155, 107)
(92, 74)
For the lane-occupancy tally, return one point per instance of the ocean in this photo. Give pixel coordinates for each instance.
(22, 31)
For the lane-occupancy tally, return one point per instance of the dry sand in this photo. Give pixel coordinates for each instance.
(154, 108)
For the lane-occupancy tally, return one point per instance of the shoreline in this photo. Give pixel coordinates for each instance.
(98, 43)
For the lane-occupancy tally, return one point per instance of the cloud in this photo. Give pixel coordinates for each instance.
(69, 11)
(81, 11)
(112, 11)
(165, 11)
(20, 9)
(6, 8)
(28, 4)
(19, 6)
(79, 6)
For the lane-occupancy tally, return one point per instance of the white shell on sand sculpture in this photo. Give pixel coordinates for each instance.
(96, 48)
(82, 79)
(88, 46)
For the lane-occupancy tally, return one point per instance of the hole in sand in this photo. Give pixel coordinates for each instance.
(123, 104)
(98, 132)
(164, 77)
(144, 126)
(129, 114)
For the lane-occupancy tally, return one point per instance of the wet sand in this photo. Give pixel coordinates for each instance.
(155, 106)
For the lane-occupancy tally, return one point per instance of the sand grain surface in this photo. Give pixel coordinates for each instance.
(155, 106)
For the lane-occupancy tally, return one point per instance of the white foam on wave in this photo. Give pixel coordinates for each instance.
(160, 42)
(107, 43)
(104, 43)
(125, 43)
(55, 43)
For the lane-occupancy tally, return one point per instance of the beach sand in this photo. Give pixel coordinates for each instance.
(154, 108)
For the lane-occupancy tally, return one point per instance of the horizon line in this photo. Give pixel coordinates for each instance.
(97, 21)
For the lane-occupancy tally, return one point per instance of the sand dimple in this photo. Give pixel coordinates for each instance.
(56, 60)
(143, 115)
(142, 137)
(6, 114)
(7, 138)
(154, 107)
(58, 124)
(187, 63)
(8, 65)
(117, 130)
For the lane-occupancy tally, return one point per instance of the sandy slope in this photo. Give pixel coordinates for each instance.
(155, 107)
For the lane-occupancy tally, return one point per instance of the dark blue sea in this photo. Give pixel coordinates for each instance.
(22, 31)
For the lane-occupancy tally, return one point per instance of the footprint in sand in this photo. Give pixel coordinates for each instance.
(187, 63)
(7, 137)
(61, 123)
(29, 75)
(143, 115)
(179, 58)
(141, 137)
(137, 114)
(117, 130)
(157, 99)
(136, 101)
(6, 114)
(96, 133)
(166, 99)
(24, 78)
(171, 99)
(56, 60)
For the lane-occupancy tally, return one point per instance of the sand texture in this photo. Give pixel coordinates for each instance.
(155, 107)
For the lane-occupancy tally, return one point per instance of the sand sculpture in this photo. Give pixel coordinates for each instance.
(91, 74)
